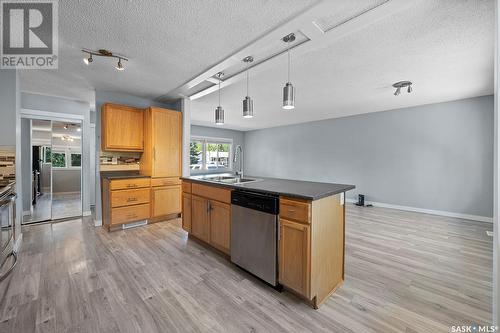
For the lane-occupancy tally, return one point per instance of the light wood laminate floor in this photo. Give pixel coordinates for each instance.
(405, 272)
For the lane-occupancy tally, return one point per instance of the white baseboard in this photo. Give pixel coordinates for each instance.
(18, 243)
(87, 213)
(427, 211)
(97, 223)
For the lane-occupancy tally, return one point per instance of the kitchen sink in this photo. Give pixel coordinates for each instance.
(228, 179)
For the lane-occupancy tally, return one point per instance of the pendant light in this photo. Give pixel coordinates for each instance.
(219, 111)
(247, 102)
(288, 89)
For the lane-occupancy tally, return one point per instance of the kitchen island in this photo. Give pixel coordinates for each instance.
(311, 235)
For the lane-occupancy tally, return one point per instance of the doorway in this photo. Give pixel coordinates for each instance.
(55, 171)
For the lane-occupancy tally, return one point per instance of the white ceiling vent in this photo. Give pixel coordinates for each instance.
(348, 11)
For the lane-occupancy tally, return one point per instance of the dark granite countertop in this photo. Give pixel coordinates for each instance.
(121, 175)
(286, 187)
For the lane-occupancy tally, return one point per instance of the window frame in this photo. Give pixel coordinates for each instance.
(205, 140)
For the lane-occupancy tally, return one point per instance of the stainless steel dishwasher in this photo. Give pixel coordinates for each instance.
(254, 234)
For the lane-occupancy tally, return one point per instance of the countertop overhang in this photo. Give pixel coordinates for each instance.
(286, 187)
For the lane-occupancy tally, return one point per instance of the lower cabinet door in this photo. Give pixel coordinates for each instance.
(220, 225)
(166, 200)
(186, 211)
(200, 218)
(294, 256)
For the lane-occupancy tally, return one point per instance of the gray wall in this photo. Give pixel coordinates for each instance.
(26, 166)
(102, 97)
(65, 180)
(437, 156)
(61, 105)
(8, 91)
(237, 136)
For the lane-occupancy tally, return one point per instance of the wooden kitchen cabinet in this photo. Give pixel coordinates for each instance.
(186, 211)
(125, 200)
(220, 225)
(294, 256)
(162, 155)
(200, 218)
(311, 246)
(206, 214)
(166, 200)
(122, 128)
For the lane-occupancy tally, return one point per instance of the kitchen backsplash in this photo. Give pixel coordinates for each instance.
(7, 163)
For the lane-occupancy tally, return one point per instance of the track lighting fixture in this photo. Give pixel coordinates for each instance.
(247, 102)
(219, 111)
(119, 66)
(402, 84)
(88, 60)
(104, 53)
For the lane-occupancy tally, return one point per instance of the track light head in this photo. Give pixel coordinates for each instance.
(119, 66)
(410, 89)
(397, 92)
(88, 60)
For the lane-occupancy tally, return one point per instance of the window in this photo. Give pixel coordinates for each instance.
(58, 159)
(63, 157)
(47, 154)
(76, 160)
(210, 154)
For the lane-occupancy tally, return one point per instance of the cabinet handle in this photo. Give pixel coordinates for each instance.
(131, 199)
(131, 185)
(208, 206)
(131, 215)
(154, 153)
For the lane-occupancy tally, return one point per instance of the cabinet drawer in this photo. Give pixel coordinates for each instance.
(295, 210)
(165, 181)
(121, 184)
(186, 187)
(212, 192)
(129, 214)
(130, 197)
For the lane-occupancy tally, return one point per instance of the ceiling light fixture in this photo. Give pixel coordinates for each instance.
(288, 89)
(104, 53)
(88, 60)
(247, 102)
(119, 66)
(402, 84)
(219, 111)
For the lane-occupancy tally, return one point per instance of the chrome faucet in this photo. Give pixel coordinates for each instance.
(239, 151)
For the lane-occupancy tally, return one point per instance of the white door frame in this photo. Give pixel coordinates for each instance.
(60, 117)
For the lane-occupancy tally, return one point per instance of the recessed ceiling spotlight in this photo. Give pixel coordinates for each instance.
(104, 53)
(402, 84)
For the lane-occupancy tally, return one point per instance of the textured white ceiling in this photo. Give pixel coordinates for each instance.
(445, 47)
(168, 42)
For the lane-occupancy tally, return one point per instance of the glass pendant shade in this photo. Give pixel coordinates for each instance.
(288, 96)
(219, 115)
(248, 107)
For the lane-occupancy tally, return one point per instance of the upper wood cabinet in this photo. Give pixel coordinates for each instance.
(162, 143)
(122, 128)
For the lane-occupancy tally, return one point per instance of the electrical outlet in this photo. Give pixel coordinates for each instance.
(489, 233)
